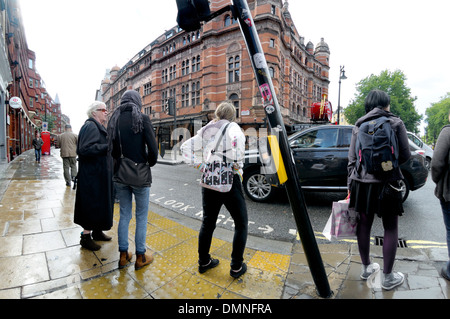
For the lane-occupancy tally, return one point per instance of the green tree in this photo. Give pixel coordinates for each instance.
(394, 84)
(437, 117)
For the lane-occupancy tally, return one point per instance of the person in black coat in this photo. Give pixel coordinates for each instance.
(94, 203)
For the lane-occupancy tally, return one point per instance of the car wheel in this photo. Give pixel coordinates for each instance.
(405, 189)
(256, 186)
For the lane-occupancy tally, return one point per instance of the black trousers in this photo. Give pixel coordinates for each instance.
(234, 202)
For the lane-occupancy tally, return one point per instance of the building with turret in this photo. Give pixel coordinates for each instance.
(198, 70)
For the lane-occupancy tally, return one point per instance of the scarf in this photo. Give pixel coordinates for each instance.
(130, 99)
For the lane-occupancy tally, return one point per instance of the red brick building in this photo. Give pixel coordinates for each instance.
(21, 122)
(201, 69)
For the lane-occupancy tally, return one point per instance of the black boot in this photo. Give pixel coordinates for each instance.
(98, 235)
(87, 242)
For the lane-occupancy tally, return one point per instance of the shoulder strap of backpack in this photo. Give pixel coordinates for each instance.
(219, 139)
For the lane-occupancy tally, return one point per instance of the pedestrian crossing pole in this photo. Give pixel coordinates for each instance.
(242, 13)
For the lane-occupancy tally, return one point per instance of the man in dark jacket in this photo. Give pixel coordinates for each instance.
(37, 144)
(94, 202)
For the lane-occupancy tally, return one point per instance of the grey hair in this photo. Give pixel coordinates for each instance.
(93, 107)
(225, 111)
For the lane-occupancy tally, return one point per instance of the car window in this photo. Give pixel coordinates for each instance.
(317, 139)
(346, 137)
(416, 140)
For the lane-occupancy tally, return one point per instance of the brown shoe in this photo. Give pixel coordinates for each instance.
(125, 258)
(142, 260)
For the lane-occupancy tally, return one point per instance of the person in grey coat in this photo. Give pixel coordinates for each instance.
(68, 143)
(440, 175)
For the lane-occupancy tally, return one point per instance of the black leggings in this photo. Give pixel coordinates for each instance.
(390, 241)
(234, 202)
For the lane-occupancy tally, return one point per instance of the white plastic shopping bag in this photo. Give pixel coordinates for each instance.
(342, 222)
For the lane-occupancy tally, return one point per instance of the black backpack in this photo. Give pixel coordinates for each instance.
(377, 148)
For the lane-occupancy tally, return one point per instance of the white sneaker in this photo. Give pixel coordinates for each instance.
(392, 280)
(369, 270)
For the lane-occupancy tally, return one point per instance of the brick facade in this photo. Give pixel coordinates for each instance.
(203, 68)
(20, 124)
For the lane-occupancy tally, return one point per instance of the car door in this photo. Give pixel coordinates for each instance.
(317, 157)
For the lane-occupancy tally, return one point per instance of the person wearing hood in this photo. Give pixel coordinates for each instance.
(365, 193)
(131, 134)
(94, 204)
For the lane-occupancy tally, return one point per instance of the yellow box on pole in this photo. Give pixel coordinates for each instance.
(277, 159)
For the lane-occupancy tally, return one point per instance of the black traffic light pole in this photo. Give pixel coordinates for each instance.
(242, 13)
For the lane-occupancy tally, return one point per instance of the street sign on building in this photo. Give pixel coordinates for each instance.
(15, 102)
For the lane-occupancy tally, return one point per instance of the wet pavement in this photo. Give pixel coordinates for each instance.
(40, 255)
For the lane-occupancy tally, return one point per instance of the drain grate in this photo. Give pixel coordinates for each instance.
(401, 242)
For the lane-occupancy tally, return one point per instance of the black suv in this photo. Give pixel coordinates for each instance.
(321, 156)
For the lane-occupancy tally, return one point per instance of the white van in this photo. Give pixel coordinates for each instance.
(428, 150)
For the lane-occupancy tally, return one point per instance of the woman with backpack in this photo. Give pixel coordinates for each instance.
(378, 193)
(223, 146)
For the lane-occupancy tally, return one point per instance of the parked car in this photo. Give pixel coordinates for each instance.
(321, 157)
(428, 150)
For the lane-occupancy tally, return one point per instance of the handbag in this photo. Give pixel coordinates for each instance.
(218, 175)
(130, 172)
(342, 222)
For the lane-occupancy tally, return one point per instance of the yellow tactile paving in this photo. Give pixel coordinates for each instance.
(38, 231)
(164, 223)
(198, 288)
(160, 272)
(271, 262)
(174, 288)
(114, 285)
(161, 241)
(184, 255)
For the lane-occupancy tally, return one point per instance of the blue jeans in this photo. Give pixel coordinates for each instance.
(37, 153)
(124, 195)
(446, 212)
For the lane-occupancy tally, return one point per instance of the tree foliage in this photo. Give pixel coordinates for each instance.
(394, 84)
(437, 117)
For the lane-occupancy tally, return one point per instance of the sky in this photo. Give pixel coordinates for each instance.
(76, 41)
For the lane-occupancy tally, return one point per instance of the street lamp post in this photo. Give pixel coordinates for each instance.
(341, 77)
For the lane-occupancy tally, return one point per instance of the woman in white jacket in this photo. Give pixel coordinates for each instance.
(221, 140)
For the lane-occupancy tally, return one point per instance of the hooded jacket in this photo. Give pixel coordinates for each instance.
(137, 139)
(440, 165)
(404, 151)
